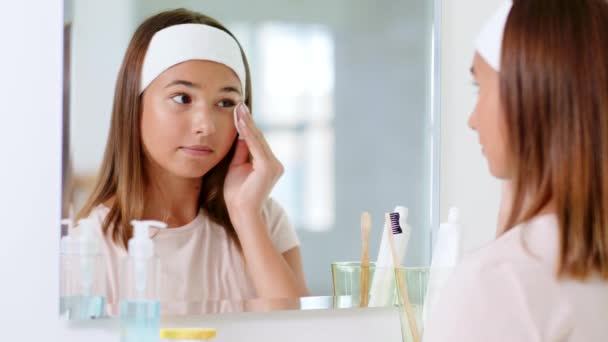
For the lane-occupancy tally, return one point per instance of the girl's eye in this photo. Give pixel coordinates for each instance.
(227, 103)
(182, 99)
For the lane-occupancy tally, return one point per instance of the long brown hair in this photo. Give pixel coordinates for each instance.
(554, 90)
(122, 175)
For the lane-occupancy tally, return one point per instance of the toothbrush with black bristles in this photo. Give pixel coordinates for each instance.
(395, 225)
(396, 231)
(382, 287)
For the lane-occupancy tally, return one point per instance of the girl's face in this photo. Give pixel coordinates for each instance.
(187, 124)
(488, 120)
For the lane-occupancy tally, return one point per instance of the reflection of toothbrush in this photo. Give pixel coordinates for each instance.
(383, 281)
(394, 231)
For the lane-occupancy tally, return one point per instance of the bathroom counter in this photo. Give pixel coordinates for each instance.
(371, 324)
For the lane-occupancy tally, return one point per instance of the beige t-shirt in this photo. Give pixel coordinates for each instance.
(199, 262)
(508, 291)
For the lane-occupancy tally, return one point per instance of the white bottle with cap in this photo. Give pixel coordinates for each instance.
(139, 295)
(447, 252)
(82, 272)
(447, 249)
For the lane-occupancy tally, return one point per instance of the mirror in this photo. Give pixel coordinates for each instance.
(344, 92)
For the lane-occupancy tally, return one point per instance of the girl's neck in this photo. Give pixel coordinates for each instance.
(506, 203)
(171, 199)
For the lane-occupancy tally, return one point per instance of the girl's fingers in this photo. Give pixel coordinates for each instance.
(263, 153)
(255, 147)
(240, 154)
(244, 114)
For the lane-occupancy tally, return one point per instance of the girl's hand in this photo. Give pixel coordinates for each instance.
(249, 183)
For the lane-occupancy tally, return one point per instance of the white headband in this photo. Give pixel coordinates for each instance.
(489, 40)
(181, 43)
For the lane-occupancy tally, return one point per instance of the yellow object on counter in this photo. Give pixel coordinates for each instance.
(187, 334)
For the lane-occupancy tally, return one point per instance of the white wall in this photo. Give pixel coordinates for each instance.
(465, 179)
(30, 144)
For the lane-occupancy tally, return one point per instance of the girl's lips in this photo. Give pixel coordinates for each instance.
(197, 150)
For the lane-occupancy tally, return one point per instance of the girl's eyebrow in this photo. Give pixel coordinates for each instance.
(227, 89)
(230, 90)
(184, 83)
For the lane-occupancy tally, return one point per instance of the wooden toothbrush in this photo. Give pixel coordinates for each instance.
(405, 299)
(366, 224)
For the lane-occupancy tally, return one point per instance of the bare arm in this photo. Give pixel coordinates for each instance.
(293, 257)
(274, 275)
(247, 186)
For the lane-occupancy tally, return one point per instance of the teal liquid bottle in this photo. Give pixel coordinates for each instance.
(139, 295)
(82, 273)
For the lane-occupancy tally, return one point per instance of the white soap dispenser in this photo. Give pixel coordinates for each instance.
(82, 272)
(140, 302)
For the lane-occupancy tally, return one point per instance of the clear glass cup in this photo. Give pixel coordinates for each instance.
(415, 281)
(346, 283)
